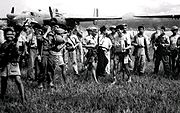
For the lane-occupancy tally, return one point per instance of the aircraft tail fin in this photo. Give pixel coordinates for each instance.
(96, 12)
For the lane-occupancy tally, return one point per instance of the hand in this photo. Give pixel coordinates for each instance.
(155, 48)
(163, 45)
(48, 29)
(39, 58)
(58, 47)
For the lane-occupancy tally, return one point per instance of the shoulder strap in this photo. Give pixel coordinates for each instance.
(72, 41)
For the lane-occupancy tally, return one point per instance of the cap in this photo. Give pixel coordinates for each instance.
(34, 22)
(60, 31)
(112, 27)
(103, 28)
(124, 24)
(121, 27)
(94, 29)
(88, 29)
(174, 28)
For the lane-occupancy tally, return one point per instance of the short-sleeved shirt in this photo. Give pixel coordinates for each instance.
(173, 41)
(11, 52)
(2, 40)
(141, 41)
(154, 37)
(121, 41)
(162, 39)
(105, 42)
(32, 39)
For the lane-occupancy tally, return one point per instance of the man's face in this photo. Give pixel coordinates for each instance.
(119, 31)
(125, 28)
(56, 27)
(89, 32)
(157, 30)
(113, 30)
(50, 37)
(10, 35)
(28, 29)
(94, 33)
(175, 31)
(162, 31)
(141, 30)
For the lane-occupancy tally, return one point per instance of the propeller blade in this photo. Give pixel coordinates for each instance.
(50, 11)
(12, 10)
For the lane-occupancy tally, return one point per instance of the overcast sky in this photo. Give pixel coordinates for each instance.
(85, 7)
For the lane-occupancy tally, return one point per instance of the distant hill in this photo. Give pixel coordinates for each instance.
(133, 23)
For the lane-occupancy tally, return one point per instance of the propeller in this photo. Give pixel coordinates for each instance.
(12, 10)
(51, 12)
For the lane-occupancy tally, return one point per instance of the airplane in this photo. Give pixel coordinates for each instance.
(159, 16)
(52, 17)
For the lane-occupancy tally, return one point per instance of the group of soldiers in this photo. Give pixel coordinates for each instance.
(104, 51)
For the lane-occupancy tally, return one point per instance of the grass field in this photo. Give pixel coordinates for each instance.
(145, 94)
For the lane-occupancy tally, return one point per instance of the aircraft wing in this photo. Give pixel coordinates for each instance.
(3, 19)
(83, 19)
(159, 16)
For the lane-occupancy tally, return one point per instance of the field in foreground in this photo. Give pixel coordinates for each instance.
(146, 94)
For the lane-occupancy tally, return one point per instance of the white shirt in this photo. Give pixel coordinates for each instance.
(105, 42)
(2, 40)
(173, 40)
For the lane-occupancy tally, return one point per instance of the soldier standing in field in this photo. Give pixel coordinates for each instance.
(162, 44)
(51, 56)
(173, 48)
(103, 53)
(10, 63)
(72, 43)
(178, 58)
(112, 54)
(122, 44)
(91, 58)
(32, 50)
(141, 51)
(152, 41)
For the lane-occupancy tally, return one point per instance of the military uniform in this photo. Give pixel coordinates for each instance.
(33, 51)
(105, 45)
(121, 54)
(73, 41)
(162, 43)
(173, 51)
(140, 42)
(178, 60)
(152, 41)
(50, 59)
(10, 63)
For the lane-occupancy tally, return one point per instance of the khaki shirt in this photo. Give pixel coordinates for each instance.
(173, 41)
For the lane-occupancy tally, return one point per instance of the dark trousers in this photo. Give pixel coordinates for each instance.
(47, 69)
(172, 60)
(178, 66)
(102, 62)
(165, 60)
